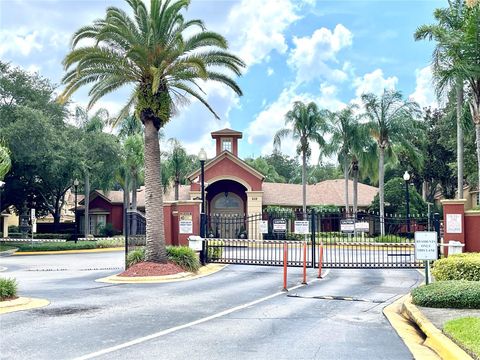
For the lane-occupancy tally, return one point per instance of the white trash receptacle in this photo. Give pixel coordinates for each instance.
(195, 242)
(455, 247)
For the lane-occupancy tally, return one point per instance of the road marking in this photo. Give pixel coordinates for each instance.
(184, 326)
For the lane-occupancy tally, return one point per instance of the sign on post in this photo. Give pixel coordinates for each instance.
(34, 221)
(362, 226)
(279, 225)
(347, 226)
(301, 227)
(426, 247)
(185, 223)
(263, 226)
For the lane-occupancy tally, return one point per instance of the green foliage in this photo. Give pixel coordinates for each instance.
(262, 166)
(54, 246)
(5, 161)
(458, 294)
(395, 198)
(286, 167)
(184, 257)
(135, 256)
(110, 243)
(325, 208)
(8, 288)
(465, 332)
(280, 211)
(458, 267)
(215, 250)
(391, 239)
(108, 230)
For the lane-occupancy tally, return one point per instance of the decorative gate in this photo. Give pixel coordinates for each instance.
(343, 242)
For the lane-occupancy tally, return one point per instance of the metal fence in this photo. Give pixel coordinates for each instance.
(135, 231)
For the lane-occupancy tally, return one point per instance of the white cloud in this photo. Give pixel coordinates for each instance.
(34, 68)
(424, 93)
(20, 41)
(257, 27)
(312, 53)
(270, 71)
(374, 82)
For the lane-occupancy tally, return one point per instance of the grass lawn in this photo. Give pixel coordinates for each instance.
(6, 247)
(465, 331)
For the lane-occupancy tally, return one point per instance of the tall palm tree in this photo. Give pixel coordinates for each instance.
(391, 121)
(161, 55)
(446, 66)
(304, 124)
(345, 141)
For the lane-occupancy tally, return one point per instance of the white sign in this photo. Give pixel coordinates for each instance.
(279, 225)
(186, 226)
(347, 226)
(34, 221)
(362, 226)
(264, 226)
(195, 243)
(454, 223)
(426, 246)
(301, 227)
(32, 214)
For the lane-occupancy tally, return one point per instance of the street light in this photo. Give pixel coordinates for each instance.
(2, 184)
(75, 186)
(406, 177)
(202, 156)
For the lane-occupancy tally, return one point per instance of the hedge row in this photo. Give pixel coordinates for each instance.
(458, 294)
(458, 267)
(183, 256)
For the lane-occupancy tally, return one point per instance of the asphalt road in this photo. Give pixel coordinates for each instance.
(237, 313)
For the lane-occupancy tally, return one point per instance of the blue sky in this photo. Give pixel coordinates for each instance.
(329, 52)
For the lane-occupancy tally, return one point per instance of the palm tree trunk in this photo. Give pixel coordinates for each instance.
(86, 224)
(155, 243)
(355, 190)
(304, 184)
(459, 141)
(424, 190)
(381, 189)
(177, 184)
(134, 204)
(345, 173)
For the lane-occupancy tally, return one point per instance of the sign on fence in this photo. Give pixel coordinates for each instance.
(279, 225)
(263, 226)
(185, 223)
(301, 227)
(347, 226)
(362, 226)
(426, 246)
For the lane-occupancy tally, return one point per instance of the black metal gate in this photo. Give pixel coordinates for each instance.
(339, 241)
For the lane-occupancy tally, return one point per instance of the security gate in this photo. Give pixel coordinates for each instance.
(339, 241)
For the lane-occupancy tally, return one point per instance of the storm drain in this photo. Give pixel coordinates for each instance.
(328, 297)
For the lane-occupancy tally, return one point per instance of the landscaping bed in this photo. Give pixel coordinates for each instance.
(466, 333)
(152, 269)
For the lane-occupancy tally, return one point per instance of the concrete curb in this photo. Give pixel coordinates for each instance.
(203, 271)
(22, 303)
(436, 340)
(410, 335)
(63, 252)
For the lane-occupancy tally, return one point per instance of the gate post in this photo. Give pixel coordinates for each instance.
(436, 226)
(312, 237)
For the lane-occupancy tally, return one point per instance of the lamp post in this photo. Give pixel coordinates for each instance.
(75, 186)
(2, 184)
(202, 156)
(406, 177)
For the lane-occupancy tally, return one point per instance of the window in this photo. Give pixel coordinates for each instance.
(227, 144)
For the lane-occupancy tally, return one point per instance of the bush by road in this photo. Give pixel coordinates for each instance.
(459, 294)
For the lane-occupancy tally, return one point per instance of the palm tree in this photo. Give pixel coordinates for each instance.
(178, 161)
(5, 161)
(391, 121)
(304, 124)
(447, 63)
(345, 141)
(165, 59)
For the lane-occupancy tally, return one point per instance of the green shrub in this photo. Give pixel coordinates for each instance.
(458, 294)
(48, 236)
(110, 243)
(107, 230)
(136, 256)
(54, 246)
(458, 267)
(8, 288)
(15, 235)
(392, 239)
(184, 257)
(13, 229)
(214, 252)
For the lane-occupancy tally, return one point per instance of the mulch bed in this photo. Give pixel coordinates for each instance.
(9, 298)
(152, 269)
